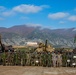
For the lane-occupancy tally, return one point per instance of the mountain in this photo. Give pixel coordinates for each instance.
(21, 29)
(20, 34)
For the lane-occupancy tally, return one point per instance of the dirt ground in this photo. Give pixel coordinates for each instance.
(34, 70)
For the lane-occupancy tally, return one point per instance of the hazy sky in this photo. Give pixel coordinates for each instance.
(46, 13)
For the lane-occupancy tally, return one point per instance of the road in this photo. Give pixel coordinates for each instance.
(34, 70)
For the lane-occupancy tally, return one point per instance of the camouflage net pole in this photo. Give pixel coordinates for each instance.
(45, 45)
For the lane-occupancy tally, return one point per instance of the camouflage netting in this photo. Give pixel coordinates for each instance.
(41, 48)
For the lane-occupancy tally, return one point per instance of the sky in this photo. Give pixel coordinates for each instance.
(53, 14)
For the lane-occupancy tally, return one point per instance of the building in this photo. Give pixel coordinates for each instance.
(32, 44)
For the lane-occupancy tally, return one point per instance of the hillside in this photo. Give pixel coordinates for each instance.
(19, 35)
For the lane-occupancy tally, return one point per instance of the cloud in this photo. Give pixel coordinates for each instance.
(1, 18)
(5, 12)
(24, 8)
(61, 22)
(58, 15)
(75, 9)
(24, 17)
(45, 6)
(8, 13)
(2, 8)
(34, 25)
(72, 18)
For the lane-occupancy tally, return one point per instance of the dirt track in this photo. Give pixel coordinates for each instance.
(32, 70)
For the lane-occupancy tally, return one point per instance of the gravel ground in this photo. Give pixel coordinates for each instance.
(34, 70)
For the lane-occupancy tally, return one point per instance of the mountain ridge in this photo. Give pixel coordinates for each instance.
(19, 35)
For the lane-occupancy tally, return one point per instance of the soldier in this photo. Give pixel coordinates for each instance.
(28, 59)
(19, 57)
(1, 59)
(69, 59)
(74, 58)
(59, 60)
(54, 59)
(4, 56)
(32, 59)
(40, 59)
(49, 61)
(23, 58)
(64, 59)
(37, 57)
(8, 58)
(16, 59)
(44, 58)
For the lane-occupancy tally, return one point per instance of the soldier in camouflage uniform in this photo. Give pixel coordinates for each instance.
(59, 60)
(54, 59)
(64, 59)
(4, 56)
(12, 57)
(40, 59)
(44, 58)
(28, 56)
(8, 58)
(69, 58)
(16, 58)
(49, 59)
(23, 58)
(36, 59)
